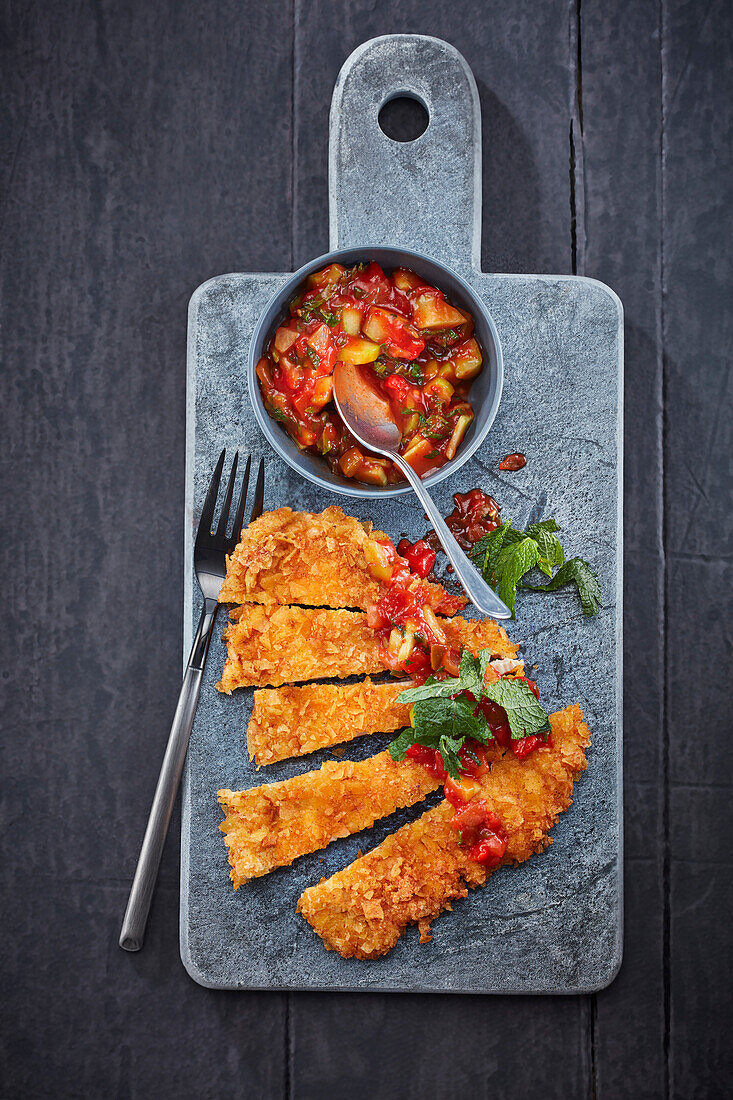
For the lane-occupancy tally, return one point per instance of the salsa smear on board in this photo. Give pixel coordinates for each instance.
(417, 349)
(475, 513)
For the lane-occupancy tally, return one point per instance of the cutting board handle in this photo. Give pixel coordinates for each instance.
(423, 194)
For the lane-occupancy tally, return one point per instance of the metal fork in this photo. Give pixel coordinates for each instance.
(209, 559)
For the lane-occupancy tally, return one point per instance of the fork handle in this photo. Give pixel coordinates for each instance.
(141, 893)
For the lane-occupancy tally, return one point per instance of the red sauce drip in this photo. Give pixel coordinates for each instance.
(513, 462)
(474, 515)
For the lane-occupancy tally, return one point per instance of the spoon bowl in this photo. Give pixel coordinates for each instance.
(368, 416)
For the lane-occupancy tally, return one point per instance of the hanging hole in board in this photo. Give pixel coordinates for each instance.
(403, 118)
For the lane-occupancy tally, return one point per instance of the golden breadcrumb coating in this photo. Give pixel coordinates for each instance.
(270, 826)
(288, 557)
(285, 644)
(418, 871)
(292, 643)
(293, 721)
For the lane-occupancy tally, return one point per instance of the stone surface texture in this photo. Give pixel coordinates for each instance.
(553, 925)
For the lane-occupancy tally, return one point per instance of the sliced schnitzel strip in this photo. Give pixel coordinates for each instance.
(293, 721)
(293, 643)
(270, 648)
(418, 871)
(270, 826)
(321, 560)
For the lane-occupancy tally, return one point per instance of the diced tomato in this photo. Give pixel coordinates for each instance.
(523, 746)
(302, 401)
(452, 662)
(489, 850)
(290, 374)
(419, 554)
(499, 725)
(473, 759)
(397, 386)
(429, 758)
(418, 665)
(498, 722)
(481, 831)
(375, 288)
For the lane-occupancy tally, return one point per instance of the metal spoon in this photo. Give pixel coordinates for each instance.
(369, 418)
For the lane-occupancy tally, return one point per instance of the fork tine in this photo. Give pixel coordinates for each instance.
(207, 512)
(259, 499)
(222, 528)
(237, 529)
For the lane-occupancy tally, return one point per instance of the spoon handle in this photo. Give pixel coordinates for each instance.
(475, 587)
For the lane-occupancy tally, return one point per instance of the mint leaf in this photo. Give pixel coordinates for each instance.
(512, 563)
(431, 689)
(445, 724)
(575, 571)
(526, 717)
(398, 748)
(546, 525)
(506, 554)
(551, 552)
(472, 671)
(486, 551)
(449, 750)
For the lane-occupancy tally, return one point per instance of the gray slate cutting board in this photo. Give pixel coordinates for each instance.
(553, 925)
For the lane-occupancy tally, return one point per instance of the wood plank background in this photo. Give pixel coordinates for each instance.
(149, 145)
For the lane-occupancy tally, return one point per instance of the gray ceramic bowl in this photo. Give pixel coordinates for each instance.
(485, 391)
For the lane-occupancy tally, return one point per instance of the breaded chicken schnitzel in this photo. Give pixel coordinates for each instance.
(418, 871)
(320, 560)
(270, 648)
(270, 826)
(293, 721)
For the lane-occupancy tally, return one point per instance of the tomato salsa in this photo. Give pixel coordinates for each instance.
(404, 617)
(413, 641)
(417, 348)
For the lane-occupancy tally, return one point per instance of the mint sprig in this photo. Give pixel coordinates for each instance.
(444, 718)
(507, 554)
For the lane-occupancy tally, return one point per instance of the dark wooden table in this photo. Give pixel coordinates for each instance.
(149, 145)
